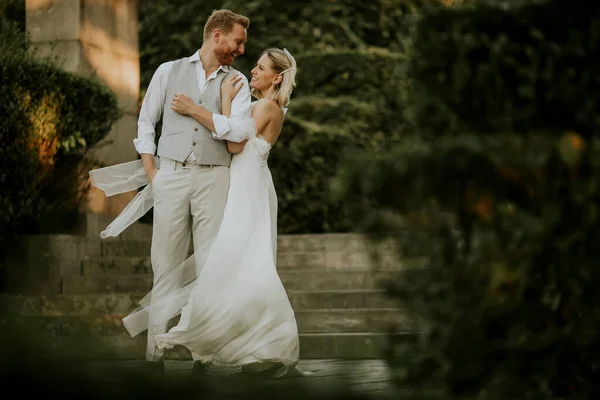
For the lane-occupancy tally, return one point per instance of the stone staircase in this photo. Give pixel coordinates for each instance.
(331, 279)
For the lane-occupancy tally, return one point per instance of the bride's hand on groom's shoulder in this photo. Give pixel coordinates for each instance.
(182, 104)
(231, 86)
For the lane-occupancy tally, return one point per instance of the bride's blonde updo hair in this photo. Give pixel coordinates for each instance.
(283, 63)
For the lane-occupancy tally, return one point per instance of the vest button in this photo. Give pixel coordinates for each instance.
(193, 144)
(196, 129)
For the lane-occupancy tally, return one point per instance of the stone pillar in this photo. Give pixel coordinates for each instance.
(95, 37)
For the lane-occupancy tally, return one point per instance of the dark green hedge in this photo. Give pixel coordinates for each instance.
(510, 69)
(319, 134)
(367, 74)
(13, 10)
(508, 306)
(50, 119)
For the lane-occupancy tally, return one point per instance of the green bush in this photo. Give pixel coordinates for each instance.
(13, 10)
(508, 306)
(50, 119)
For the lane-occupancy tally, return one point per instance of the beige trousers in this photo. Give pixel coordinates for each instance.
(189, 201)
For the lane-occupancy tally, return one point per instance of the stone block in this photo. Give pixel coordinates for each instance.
(138, 284)
(138, 232)
(301, 259)
(50, 20)
(121, 73)
(345, 346)
(39, 263)
(340, 299)
(58, 306)
(126, 248)
(308, 321)
(111, 25)
(351, 320)
(307, 280)
(117, 147)
(65, 54)
(72, 250)
(344, 242)
(117, 266)
(297, 243)
(326, 280)
(340, 259)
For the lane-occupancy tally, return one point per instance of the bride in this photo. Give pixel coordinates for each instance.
(234, 309)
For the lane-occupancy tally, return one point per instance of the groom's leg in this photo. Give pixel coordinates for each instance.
(207, 200)
(170, 237)
(208, 196)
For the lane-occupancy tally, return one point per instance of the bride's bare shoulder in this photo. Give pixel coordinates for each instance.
(267, 106)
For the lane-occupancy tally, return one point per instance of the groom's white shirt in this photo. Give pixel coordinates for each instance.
(154, 100)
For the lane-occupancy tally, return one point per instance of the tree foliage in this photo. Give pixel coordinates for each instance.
(508, 309)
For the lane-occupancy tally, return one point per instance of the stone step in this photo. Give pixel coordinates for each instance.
(96, 223)
(308, 321)
(124, 303)
(135, 265)
(301, 243)
(341, 299)
(359, 345)
(308, 280)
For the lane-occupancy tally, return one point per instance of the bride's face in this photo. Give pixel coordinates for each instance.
(263, 76)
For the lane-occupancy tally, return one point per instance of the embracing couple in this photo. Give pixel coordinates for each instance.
(211, 185)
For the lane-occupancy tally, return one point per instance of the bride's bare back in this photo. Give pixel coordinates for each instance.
(268, 117)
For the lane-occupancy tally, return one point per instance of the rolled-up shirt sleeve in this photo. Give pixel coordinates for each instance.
(241, 127)
(152, 108)
(144, 144)
(226, 128)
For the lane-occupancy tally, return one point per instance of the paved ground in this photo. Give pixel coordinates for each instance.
(369, 378)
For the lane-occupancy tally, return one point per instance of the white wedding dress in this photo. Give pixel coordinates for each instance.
(234, 309)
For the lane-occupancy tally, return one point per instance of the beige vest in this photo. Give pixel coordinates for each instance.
(181, 134)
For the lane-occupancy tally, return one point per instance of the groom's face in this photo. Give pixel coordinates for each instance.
(230, 45)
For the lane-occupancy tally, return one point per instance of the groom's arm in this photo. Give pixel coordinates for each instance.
(150, 112)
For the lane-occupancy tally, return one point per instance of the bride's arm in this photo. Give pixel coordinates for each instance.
(226, 106)
(263, 111)
(232, 147)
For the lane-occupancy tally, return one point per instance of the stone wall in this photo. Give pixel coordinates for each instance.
(95, 37)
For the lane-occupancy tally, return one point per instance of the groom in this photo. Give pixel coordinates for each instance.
(190, 189)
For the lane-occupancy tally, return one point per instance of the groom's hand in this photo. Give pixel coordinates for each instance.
(151, 174)
(182, 104)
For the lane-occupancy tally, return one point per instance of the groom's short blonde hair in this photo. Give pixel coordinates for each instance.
(225, 21)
